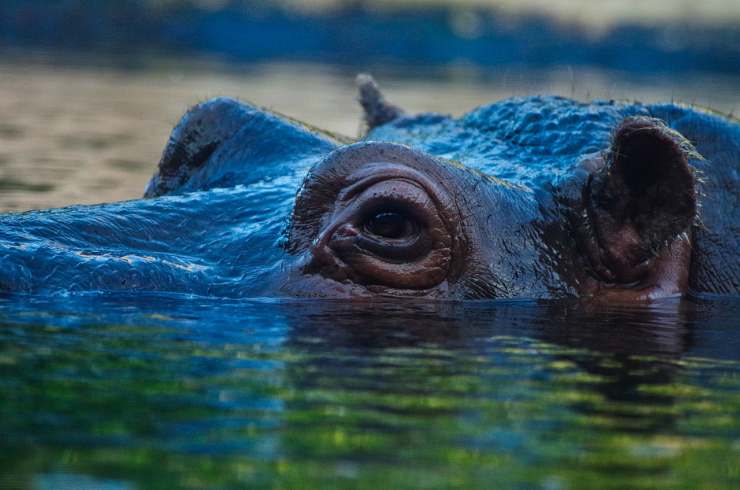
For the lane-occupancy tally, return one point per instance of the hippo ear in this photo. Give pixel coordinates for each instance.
(649, 170)
(200, 131)
(224, 142)
(646, 195)
(377, 110)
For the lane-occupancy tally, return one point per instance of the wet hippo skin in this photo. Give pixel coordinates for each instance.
(529, 197)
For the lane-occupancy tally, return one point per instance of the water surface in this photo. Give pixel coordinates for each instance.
(168, 392)
(140, 391)
(87, 131)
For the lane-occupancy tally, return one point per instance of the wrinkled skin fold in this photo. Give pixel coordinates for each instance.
(525, 198)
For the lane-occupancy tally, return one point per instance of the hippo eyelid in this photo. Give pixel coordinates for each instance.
(374, 173)
(358, 187)
(399, 250)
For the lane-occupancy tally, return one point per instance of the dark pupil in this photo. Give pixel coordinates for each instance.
(388, 225)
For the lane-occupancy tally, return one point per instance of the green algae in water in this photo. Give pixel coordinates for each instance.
(167, 392)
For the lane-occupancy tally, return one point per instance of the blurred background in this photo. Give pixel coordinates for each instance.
(89, 90)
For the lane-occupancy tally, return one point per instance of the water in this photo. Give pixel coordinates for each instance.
(90, 131)
(161, 392)
(141, 391)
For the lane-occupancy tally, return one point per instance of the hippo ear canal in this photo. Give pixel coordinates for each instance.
(645, 151)
(643, 199)
(648, 167)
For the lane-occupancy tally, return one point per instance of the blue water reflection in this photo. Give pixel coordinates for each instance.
(219, 393)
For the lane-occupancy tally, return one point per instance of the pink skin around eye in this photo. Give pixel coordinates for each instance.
(345, 251)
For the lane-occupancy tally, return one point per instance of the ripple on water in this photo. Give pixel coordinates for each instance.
(184, 392)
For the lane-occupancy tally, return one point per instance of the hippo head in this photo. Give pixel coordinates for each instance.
(531, 197)
(427, 206)
(383, 219)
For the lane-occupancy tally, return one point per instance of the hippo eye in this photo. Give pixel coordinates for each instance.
(388, 232)
(387, 228)
(391, 225)
(393, 233)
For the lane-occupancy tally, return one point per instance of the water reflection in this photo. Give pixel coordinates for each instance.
(89, 131)
(177, 392)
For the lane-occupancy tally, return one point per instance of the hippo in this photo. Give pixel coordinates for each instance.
(530, 197)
